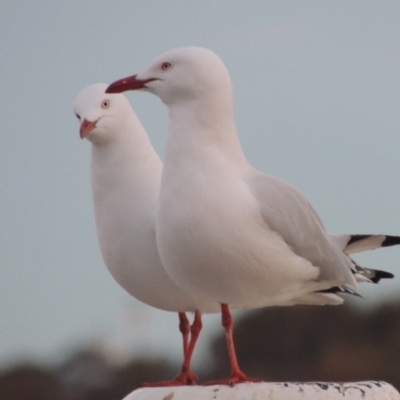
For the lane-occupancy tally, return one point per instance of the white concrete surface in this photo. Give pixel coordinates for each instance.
(368, 390)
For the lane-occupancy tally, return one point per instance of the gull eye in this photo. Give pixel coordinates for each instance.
(105, 104)
(165, 66)
(77, 116)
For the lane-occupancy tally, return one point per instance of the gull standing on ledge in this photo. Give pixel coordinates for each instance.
(126, 175)
(225, 230)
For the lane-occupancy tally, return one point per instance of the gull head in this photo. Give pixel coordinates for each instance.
(180, 75)
(101, 115)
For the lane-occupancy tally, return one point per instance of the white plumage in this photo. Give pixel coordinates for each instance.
(126, 174)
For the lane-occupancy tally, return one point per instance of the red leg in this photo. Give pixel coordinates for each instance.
(184, 328)
(237, 375)
(186, 377)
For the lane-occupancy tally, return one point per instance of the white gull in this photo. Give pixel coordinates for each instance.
(126, 174)
(225, 230)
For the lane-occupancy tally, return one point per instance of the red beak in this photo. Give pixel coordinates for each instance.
(129, 83)
(86, 128)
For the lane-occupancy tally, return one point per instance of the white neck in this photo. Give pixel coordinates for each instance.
(198, 126)
(130, 157)
(126, 174)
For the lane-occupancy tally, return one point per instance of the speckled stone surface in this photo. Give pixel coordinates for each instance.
(368, 390)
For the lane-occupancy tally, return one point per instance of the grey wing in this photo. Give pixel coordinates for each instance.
(288, 213)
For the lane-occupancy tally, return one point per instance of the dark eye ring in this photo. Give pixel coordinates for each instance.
(105, 104)
(165, 66)
(77, 116)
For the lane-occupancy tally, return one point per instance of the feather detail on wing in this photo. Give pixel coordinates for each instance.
(351, 244)
(287, 212)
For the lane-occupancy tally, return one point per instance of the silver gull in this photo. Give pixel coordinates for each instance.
(225, 230)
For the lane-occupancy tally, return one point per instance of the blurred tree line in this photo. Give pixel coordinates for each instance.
(274, 344)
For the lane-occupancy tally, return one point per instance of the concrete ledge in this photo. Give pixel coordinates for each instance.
(368, 390)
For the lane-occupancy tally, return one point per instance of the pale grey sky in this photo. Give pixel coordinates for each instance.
(317, 94)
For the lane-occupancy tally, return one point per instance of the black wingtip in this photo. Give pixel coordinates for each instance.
(391, 241)
(356, 238)
(387, 242)
(381, 275)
